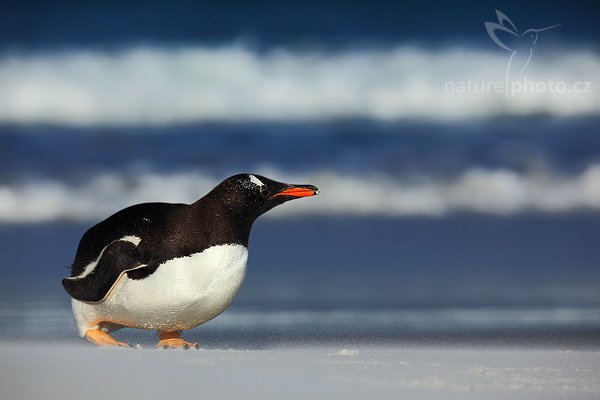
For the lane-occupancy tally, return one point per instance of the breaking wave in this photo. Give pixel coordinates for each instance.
(500, 191)
(153, 85)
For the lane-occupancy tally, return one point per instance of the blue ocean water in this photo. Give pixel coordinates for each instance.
(477, 279)
(441, 216)
(308, 23)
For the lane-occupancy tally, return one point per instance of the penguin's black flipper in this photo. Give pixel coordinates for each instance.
(118, 257)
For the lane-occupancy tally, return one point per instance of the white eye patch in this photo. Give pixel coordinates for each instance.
(256, 181)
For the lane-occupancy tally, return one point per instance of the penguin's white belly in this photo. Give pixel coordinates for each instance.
(181, 294)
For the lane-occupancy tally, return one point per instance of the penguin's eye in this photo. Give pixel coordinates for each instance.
(264, 192)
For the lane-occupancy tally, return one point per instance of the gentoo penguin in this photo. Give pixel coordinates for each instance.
(169, 267)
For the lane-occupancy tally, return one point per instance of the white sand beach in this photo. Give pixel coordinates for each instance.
(60, 371)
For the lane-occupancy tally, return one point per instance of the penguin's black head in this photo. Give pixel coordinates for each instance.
(249, 196)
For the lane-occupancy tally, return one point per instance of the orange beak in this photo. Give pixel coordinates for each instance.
(299, 191)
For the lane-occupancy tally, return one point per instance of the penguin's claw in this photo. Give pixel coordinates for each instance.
(103, 339)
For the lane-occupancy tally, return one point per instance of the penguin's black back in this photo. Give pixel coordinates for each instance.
(141, 220)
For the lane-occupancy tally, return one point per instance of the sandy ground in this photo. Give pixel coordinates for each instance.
(78, 372)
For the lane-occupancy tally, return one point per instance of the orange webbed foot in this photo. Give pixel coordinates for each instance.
(103, 339)
(173, 340)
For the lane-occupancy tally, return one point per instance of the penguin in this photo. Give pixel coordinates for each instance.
(169, 267)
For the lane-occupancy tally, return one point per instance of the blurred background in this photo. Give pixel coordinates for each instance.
(444, 214)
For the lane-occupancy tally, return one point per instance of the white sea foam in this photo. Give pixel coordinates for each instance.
(501, 192)
(150, 85)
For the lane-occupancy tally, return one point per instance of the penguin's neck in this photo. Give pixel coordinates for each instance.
(226, 227)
